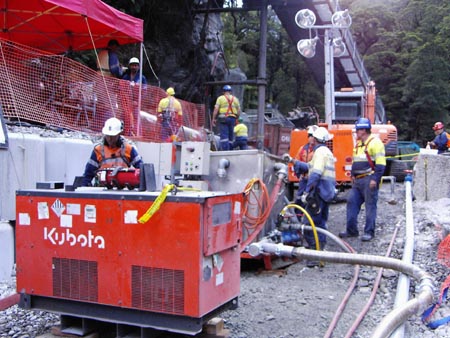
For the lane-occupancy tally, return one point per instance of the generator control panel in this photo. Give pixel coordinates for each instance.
(194, 158)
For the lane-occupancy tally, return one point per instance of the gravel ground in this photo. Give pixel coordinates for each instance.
(302, 301)
(297, 301)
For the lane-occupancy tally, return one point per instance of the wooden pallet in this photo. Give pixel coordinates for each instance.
(214, 328)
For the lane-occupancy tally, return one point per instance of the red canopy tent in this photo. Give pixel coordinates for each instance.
(60, 25)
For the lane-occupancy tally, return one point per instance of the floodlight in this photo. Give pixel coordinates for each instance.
(305, 18)
(341, 19)
(307, 47)
(338, 47)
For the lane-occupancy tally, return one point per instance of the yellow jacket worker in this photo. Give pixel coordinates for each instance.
(226, 111)
(368, 166)
(241, 133)
(170, 114)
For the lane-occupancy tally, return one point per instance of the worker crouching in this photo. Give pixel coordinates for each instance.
(241, 135)
(320, 187)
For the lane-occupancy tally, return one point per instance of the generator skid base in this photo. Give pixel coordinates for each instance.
(84, 254)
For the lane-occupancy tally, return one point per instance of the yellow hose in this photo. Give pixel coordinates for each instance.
(296, 206)
(156, 204)
(404, 155)
(160, 200)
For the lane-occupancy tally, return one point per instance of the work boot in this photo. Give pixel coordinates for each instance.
(366, 237)
(314, 263)
(347, 235)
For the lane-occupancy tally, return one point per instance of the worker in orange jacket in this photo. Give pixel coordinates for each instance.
(112, 152)
(304, 154)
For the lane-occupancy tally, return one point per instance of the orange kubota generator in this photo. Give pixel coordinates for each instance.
(349, 106)
(85, 254)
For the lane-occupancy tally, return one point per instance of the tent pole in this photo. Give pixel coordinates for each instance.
(141, 64)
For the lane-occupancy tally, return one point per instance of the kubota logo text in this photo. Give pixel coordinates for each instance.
(63, 237)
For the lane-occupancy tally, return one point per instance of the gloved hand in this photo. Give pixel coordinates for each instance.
(304, 197)
(300, 168)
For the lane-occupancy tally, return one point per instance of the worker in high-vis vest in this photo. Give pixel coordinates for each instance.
(170, 114)
(369, 163)
(226, 111)
(241, 135)
(320, 187)
(441, 142)
(304, 154)
(108, 62)
(114, 151)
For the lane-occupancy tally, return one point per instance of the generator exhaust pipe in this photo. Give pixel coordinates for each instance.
(393, 319)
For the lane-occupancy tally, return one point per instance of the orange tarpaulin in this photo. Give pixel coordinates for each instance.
(60, 25)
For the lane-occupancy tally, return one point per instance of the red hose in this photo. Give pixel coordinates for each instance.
(344, 301)
(374, 291)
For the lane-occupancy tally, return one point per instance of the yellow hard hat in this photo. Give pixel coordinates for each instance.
(170, 91)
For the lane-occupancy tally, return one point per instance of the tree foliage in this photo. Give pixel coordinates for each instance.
(407, 55)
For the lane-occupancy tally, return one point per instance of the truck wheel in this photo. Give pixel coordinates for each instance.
(397, 170)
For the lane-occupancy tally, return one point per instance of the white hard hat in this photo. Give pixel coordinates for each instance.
(312, 129)
(133, 60)
(322, 135)
(112, 127)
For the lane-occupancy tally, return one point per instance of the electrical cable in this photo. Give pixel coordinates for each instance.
(252, 224)
(151, 68)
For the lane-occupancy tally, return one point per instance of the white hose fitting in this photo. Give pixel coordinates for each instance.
(281, 170)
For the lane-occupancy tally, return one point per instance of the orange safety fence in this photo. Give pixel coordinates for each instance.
(55, 90)
(443, 254)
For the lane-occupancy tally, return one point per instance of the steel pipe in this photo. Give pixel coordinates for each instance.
(395, 317)
(403, 283)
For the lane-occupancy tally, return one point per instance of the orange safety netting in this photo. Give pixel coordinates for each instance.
(55, 90)
(443, 255)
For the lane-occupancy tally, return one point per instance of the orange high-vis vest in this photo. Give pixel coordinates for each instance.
(108, 157)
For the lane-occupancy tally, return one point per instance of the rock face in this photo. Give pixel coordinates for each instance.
(432, 178)
(237, 74)
(184, 47)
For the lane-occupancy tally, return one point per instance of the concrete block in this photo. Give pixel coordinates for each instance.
(7, 256)
(21, 166)
(431, 177)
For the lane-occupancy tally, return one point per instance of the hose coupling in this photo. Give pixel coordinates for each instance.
(224, 164)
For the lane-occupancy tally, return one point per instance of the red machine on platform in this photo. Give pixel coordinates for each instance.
(85, 254)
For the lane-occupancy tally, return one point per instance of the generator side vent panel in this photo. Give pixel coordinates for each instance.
(75, 279)
(157, 289)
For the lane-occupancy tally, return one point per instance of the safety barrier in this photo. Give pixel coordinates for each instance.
(55, 90)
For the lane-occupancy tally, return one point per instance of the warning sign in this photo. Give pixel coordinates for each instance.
(58, 208)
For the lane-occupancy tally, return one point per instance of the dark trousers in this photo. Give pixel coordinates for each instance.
(320, 221)
(226, 130)
(241, 143)
(359, 194)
